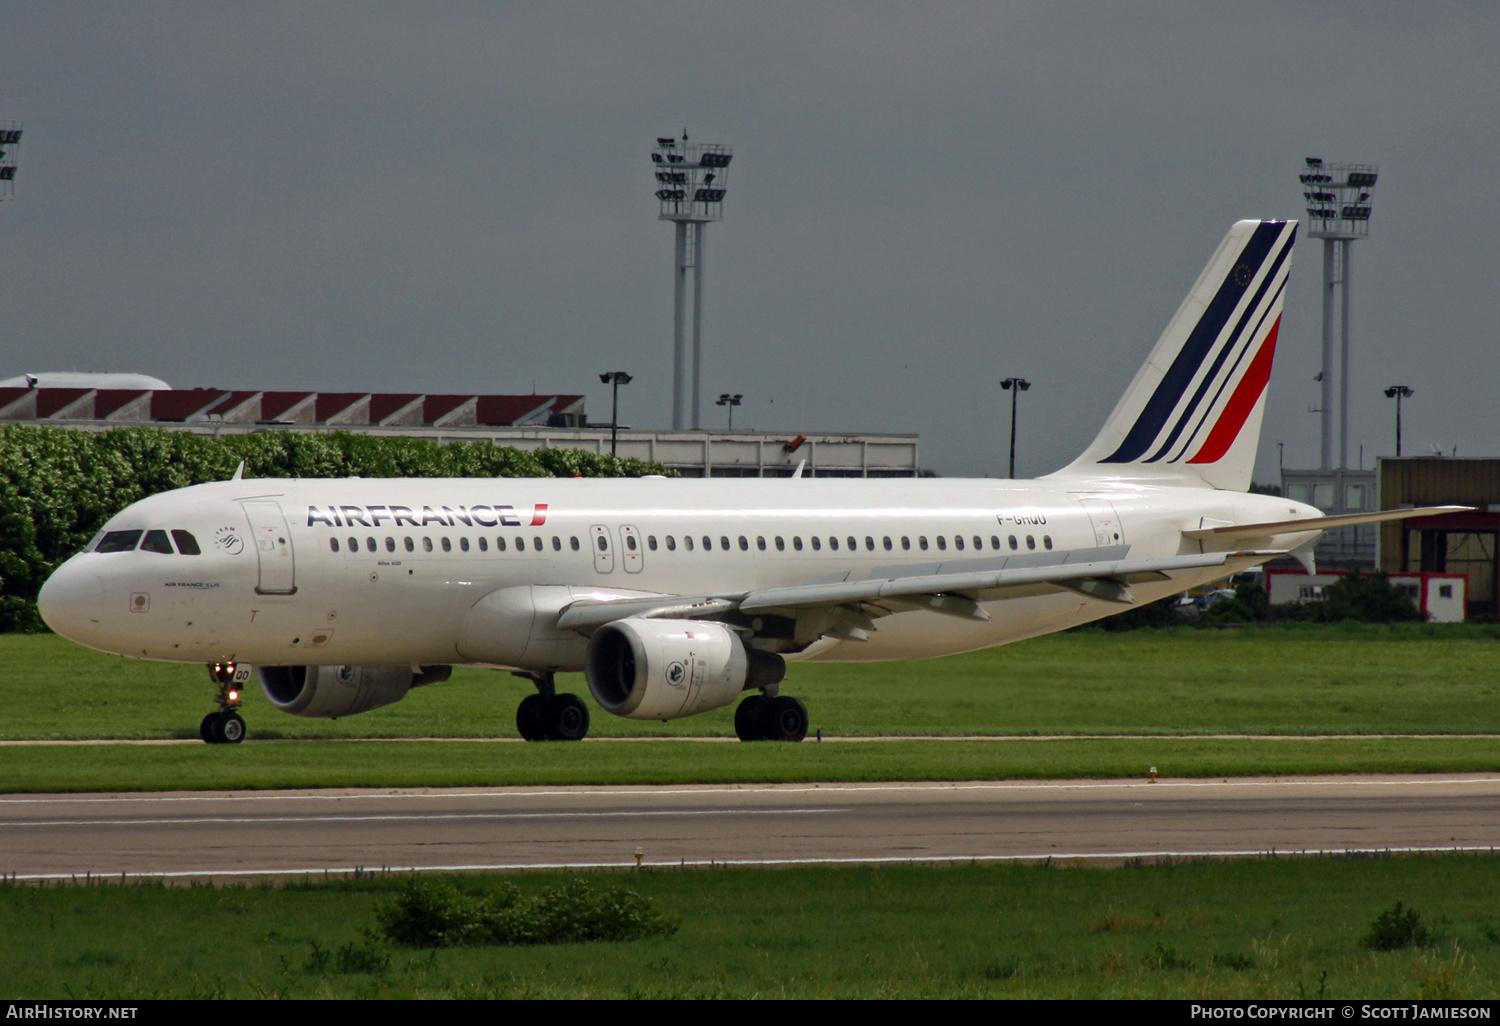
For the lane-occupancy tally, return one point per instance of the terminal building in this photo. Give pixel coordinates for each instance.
(521, 421)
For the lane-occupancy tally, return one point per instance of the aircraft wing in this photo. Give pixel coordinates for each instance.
(951, 593)
(1228, 532)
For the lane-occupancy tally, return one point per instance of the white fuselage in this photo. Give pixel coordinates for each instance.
(364, 571)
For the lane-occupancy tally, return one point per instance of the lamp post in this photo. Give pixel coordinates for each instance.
(1014, 386)
(1398, 393)
(692, 180)
(615, 378)
(731, 401)
(1338, 198)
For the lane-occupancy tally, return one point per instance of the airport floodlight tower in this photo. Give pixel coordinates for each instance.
(691, 180)
(1338, 212)
(10, 145)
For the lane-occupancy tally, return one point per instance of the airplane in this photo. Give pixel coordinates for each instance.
(680, 596)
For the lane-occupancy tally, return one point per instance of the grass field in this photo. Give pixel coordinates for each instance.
(1266, 928)
(1353, 679)
(1283, 685)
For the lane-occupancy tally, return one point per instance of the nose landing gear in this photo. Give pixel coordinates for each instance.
(225, 727)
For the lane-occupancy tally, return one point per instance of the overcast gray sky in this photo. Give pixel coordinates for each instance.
(925, 198)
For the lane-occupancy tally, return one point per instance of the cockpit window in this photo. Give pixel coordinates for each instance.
(119, 541)
(186, 543)
(156, 541)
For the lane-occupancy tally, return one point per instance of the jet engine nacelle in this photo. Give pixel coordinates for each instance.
(647, 669)
(334, 691)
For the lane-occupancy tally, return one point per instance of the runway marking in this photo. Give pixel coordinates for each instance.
(710, 789)
(930, 860)
(730, 739)
(424, 818)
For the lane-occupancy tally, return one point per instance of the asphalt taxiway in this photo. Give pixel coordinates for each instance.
(216, 834)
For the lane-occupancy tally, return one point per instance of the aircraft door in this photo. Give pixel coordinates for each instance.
(633, 555)
(604, 549)
(1108, 530)
(273, 548)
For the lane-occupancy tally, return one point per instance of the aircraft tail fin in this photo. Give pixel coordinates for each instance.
(1193, 411)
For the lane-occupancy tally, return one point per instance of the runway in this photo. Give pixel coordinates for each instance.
(202, 835)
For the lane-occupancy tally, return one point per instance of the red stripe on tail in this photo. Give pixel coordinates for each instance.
(1250, 389)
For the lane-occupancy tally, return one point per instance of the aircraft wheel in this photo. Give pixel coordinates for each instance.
(747, 715)
(230, 729)
(783, 718)
(206, 728)
(566, 717)
(529, 720)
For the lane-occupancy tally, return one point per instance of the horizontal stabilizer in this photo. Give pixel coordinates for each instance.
(1231, 531)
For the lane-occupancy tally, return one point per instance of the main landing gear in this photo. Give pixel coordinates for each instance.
(548, 716)
(770, 717)
(225, 727)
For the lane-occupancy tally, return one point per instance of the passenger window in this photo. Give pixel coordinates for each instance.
(333, 543)
(353, 544)
(573, 541)
(630, 542)
(484, 544)
(463, 543)
(1013, 545)
(922, 543)
(797, 542)
(833, 543)
(958, 542)
(905, 543)
(390, 544)
(426, 544)
(687, 542)
(557, 543)
(708, 543)
(817, 543)
(760, 543)
(1030, 542)
(780, 544)
(447, 545)
(186, 543)
(869, 543)
(410, 546)
(156, 541)
(942, 543)
(370, 544)
(672, 543)
(994, 541)
(499, 543)
(852, 543)
(887, 543)
(978, 542)
(603, 543)
(536, 543)
(1047, 541)
(744, 544)
(651, 542)
(724, 543)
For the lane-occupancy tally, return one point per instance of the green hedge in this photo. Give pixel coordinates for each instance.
(57, 486)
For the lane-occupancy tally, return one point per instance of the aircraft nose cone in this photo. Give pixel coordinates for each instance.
(72, 602)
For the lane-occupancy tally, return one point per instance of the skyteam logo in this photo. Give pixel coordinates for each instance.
(676, 674)
(1218, 374)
